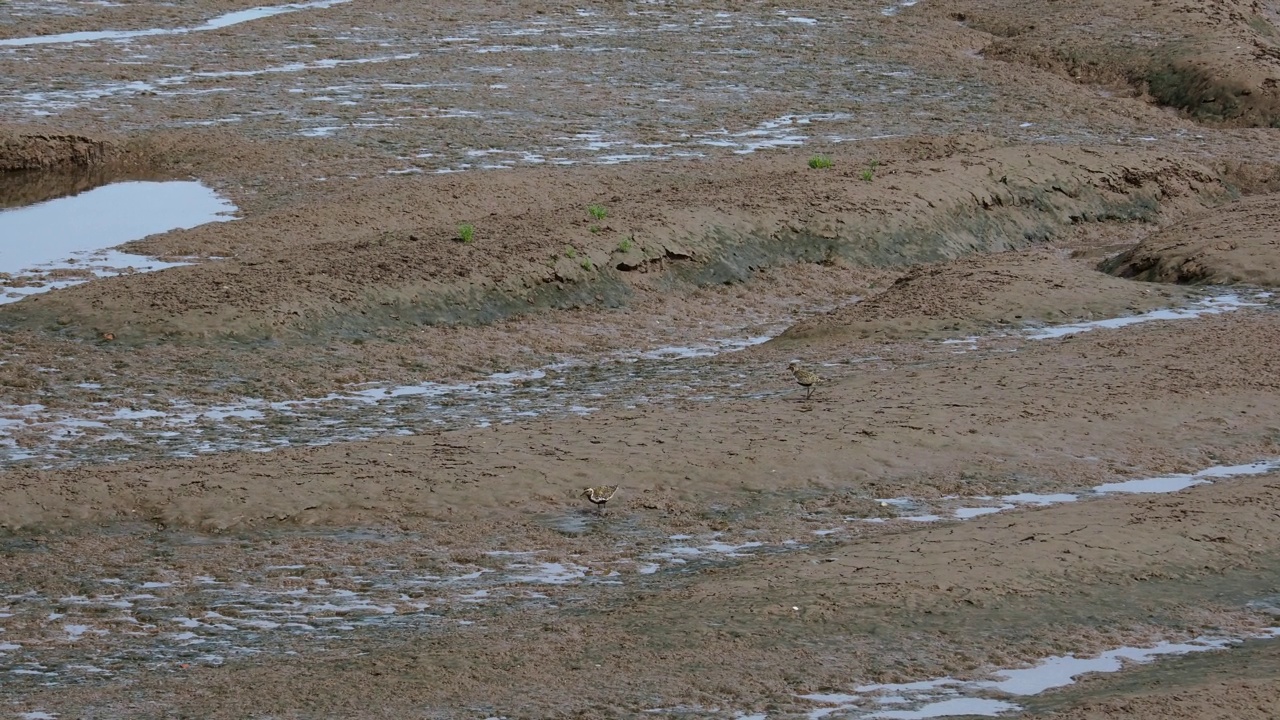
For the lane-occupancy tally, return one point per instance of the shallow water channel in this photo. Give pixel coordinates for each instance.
(105, 432)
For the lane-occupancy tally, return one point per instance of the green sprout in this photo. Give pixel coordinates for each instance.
(586, 264)
(569, 252)
(597, 211)
(820, 162)
(867, 174)
(466, 232)
(625, 245)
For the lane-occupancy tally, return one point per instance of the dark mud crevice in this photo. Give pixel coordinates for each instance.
(1202, 87)
(1231, 244)
(1136, 264)
(1212, 97)
(478, 306)
(1218, 63)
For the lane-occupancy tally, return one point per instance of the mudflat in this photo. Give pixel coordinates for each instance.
(326, 457)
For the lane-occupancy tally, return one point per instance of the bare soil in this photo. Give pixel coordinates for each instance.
(986, 292)
(334, 467)
(1236, 243)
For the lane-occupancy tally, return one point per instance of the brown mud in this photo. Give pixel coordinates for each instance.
(407, 537)
(1219, 62)
(1236, 243)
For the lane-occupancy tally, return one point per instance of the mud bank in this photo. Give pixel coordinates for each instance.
(1008, 291)
(1236, 243)
(1218, 62)
(530, 253)
(34, 149)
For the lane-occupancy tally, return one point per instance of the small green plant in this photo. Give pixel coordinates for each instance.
(595, 228)
(874, 164)
(466, 232)
(597, 211)
(868, 174)
(625, 245)
(586, 264)
(820, 162)
(569, 252)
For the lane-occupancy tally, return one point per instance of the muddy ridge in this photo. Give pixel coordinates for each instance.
(983, 293)
(25, 150)
(688, 234)
(1236, 243)
(1219, 62)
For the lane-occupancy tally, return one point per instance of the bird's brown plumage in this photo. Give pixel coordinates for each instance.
(806, 378)
(600, 494)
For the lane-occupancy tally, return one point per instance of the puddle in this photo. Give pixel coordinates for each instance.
(681, 552)
(947, 697)
(1176, 482)
(913, 510)
(217, 23)
(898, 7)
(66, 241)
(1210, 306)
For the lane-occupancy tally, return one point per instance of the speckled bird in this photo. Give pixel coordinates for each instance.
(806, 378)
(600, 494)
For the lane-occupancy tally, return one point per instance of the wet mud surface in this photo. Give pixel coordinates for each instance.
(325, 456)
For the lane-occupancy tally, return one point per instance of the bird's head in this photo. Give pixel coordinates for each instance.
(586, 492)
(794, 364)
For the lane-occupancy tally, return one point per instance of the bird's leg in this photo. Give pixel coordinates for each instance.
(808, 392)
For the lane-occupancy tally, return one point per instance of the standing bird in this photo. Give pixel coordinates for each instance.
(600, 494)
(806, 378)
